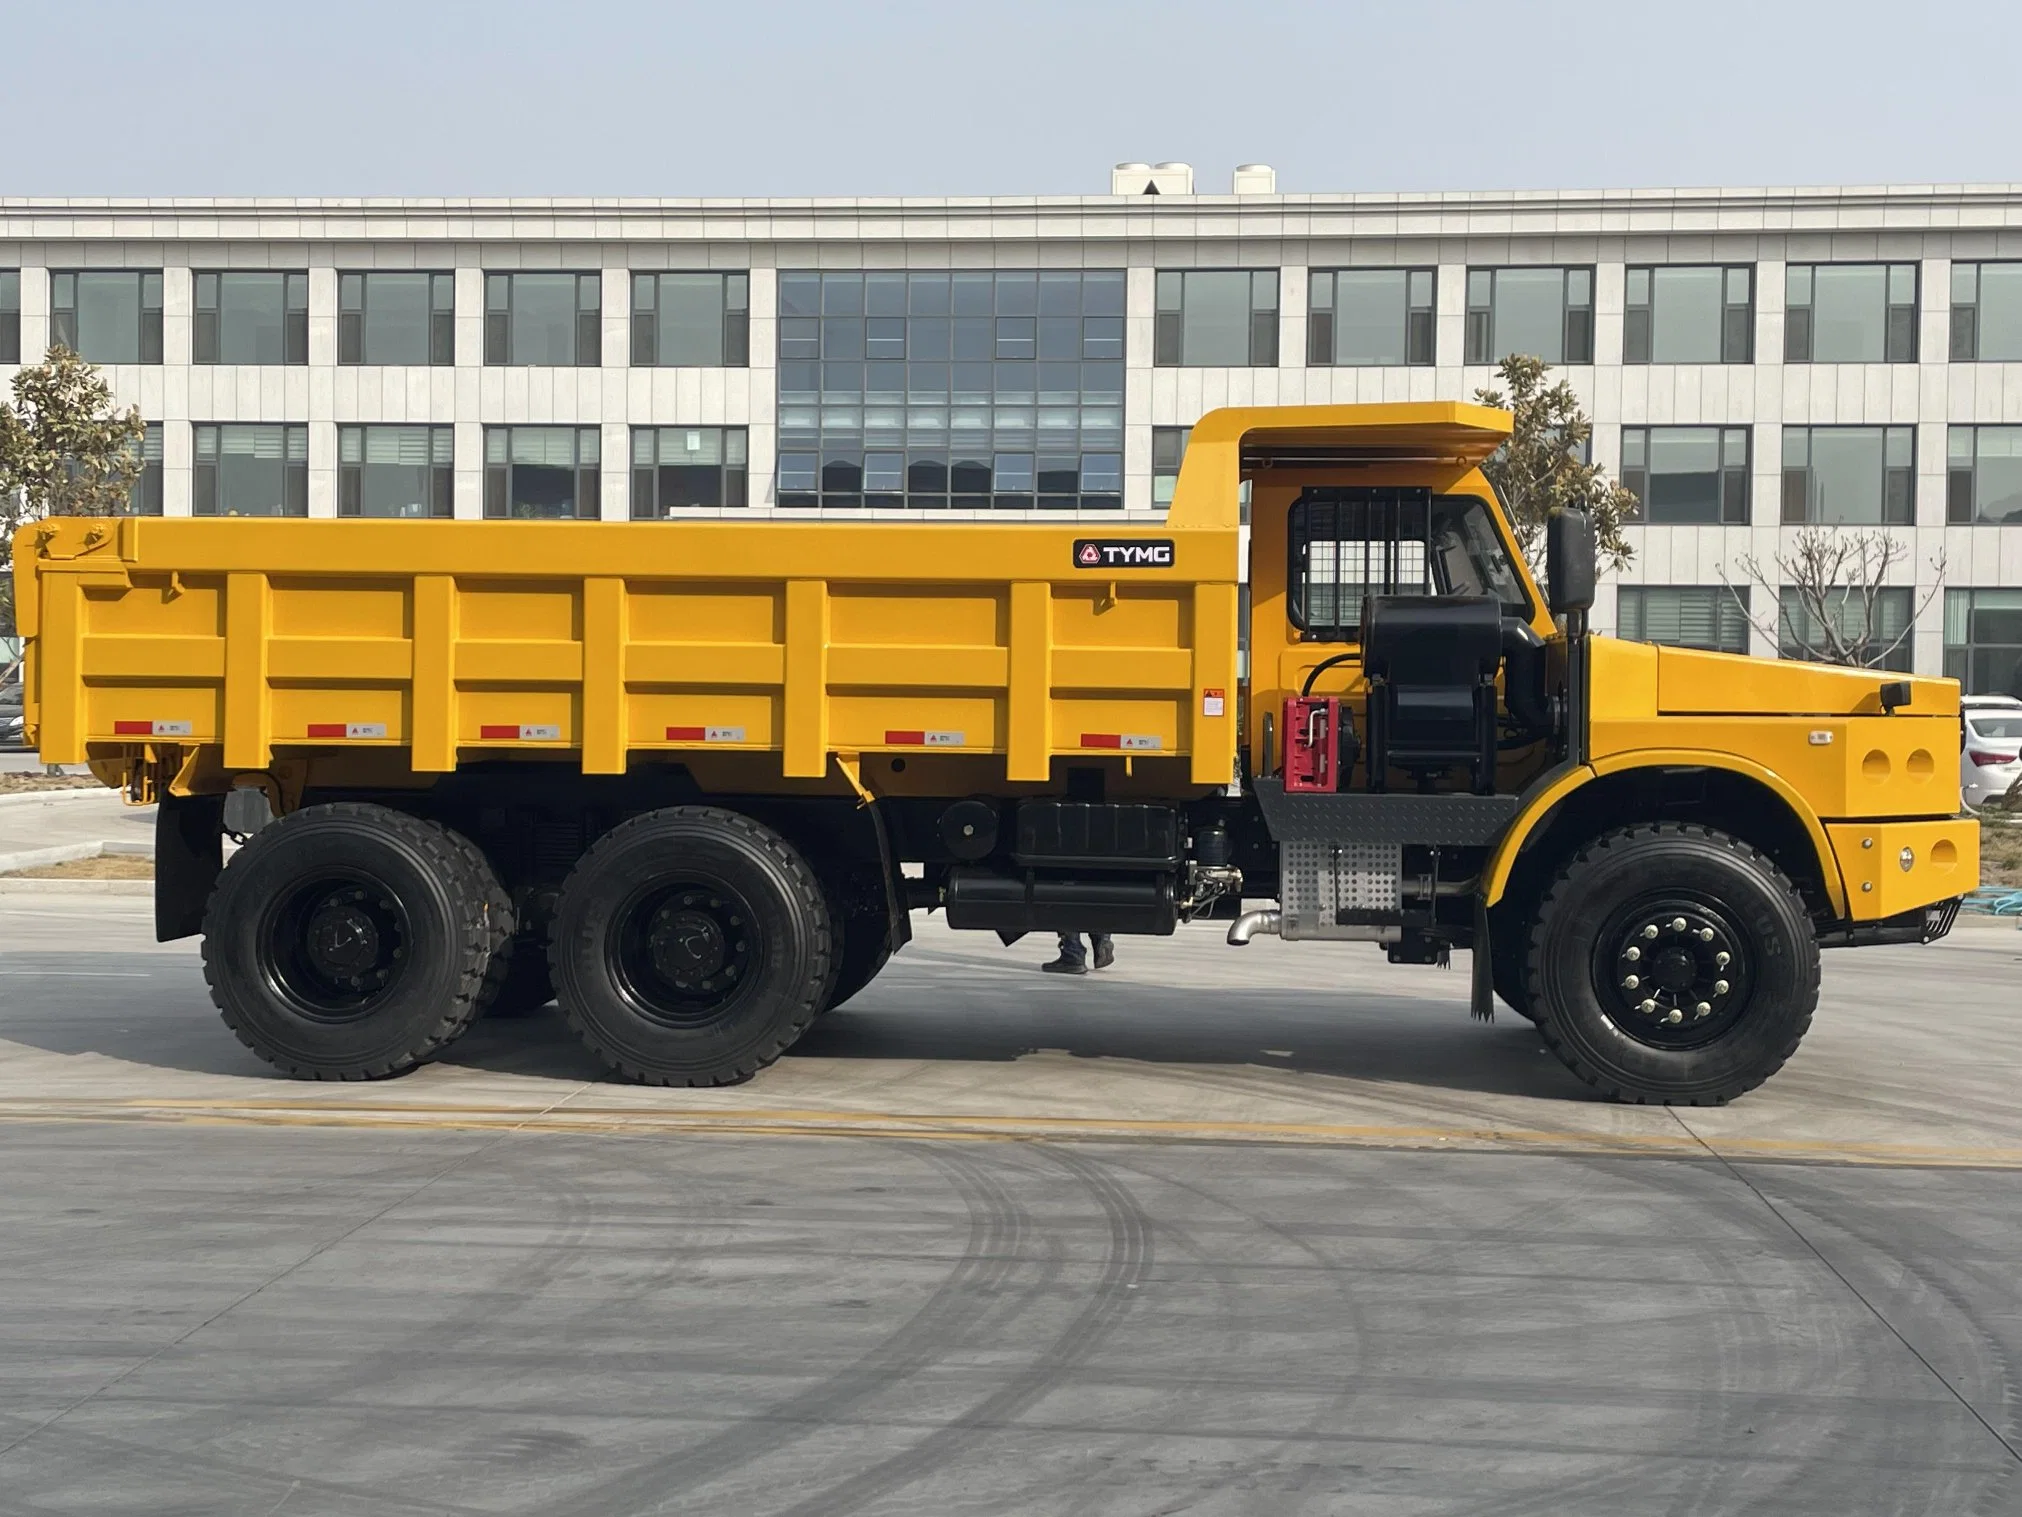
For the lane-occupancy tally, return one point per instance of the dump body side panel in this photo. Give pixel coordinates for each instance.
(455, 640)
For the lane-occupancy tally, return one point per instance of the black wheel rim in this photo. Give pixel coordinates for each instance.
(685, 953)
(333, 948)
(1673, 971)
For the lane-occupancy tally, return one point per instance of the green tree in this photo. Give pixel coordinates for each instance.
(65, 450)
(1538, 471)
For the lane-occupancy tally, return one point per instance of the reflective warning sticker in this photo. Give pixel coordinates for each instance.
(1129, 742)
(1214, 702)
(705, 734)
(541, 733)
(916, 739)
(151, 729)
(347, 729)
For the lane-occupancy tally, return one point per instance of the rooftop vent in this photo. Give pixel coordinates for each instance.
(1256, 179)
(1151, 179)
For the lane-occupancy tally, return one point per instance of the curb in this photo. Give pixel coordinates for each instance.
(53, 797)
(69, 853)
(77, 887)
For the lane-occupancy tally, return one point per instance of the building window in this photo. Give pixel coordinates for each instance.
(1983, 641)
(1850, 476)
(1986, 312)
(1168, 452)
(679, 468)
(10, 316)
(145, 499)
(251, 470)
(1684, 475)
(396, 471)
(1679, 314)
(1216, 318)
(1684, 616)
(541, 473)
(1369, 316)
(389, 319)
(691, 321)
(1850, 313)
(106, 317)
(1545, 313)
(1880, 640)
(1983, 475)
(251, 318)
(544, 319)
(935, 390)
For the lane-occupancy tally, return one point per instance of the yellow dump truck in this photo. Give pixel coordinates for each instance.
(692, 779)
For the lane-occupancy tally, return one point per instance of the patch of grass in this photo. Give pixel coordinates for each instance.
(107, 866)
(16, 784)
(2000, 851)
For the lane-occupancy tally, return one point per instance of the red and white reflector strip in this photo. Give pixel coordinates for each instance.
(543, 732)
(1125, 742)
(347, 729)
(705, 734)
(909, 738)
(151, 729)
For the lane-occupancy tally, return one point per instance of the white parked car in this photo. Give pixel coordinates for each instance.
(1990, 747)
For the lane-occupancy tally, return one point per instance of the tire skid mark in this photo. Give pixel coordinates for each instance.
(1129, 1254)
(999, 1230)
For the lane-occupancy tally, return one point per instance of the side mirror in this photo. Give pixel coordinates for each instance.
(1570, 556)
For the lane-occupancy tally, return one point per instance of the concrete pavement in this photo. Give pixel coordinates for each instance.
(1271, 1230)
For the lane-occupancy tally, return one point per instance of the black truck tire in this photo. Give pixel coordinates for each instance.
(519, 985)
(1673, 964)
(866, 948)
(352, 942)
(692, 946)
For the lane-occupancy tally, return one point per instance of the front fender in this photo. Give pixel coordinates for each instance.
(1539, 806)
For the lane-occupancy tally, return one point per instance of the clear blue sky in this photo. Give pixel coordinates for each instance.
(1018, 97)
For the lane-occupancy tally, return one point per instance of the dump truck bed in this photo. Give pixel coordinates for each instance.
(459, 641)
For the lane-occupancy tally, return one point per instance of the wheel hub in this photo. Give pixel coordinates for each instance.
(342, 939)
(334, 947)
(684, 953)
(1673, 973)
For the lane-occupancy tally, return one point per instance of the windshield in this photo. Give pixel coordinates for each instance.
(1468, 556)
(1997, 728)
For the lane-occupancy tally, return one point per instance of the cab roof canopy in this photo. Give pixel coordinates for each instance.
(1228, 444)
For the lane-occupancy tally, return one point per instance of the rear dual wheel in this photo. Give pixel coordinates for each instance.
(353, 942)
(692, 946)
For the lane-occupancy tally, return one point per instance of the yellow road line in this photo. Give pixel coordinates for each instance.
(601, 1120)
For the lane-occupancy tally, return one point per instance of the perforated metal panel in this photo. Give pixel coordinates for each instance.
(1318, 881)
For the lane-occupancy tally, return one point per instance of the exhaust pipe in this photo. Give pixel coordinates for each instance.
(1250, 923)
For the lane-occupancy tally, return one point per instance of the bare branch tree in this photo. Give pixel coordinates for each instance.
(1838, 578)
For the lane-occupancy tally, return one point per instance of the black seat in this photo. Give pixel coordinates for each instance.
(1431, 662)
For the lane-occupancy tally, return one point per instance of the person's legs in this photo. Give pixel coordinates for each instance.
(1105, 949)
(1073, 956)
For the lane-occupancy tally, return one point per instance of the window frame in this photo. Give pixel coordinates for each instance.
(10, 316)
(733, 307)
(353, 320)
(1962, 607)
(1962, 506)
(1736, 338)
(588, 339)
(1736, 480)
(1727, 601)
(1903, 475)
(442, 471)
(588, 476)
(1900, 320)
(1420, 338)
(207, 316)
(733, 477)
(1574, 317)
(205, 477)
(1169, 330)
(148, 337)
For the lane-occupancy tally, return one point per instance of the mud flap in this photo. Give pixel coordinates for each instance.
(1481, 997)
(189, 852)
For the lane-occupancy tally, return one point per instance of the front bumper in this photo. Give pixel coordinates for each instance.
(1891, 868)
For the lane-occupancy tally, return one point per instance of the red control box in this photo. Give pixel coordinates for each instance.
(1312, 743)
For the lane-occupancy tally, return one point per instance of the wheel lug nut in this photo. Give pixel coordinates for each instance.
(1677, 924)
(1706, 934)
(1632, 953)
(1650, 931)
(1720, 987)
(1702, 1009)
(1720, 960)
(1647, 1007)
(1631, 982)
(1673, 1017)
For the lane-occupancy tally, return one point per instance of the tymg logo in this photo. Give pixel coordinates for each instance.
(1123, 553)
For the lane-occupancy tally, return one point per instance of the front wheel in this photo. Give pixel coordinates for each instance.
(1674, 964)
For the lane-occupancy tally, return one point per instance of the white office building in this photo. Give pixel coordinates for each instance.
(1754, 360)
